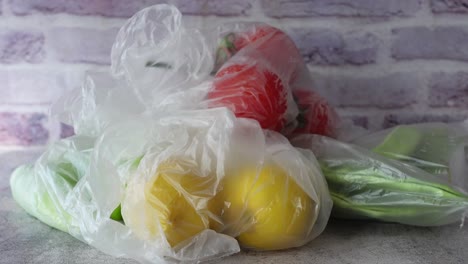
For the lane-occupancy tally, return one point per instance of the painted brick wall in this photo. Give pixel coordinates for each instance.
(381, 62)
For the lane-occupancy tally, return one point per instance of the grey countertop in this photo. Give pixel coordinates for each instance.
(23, 239)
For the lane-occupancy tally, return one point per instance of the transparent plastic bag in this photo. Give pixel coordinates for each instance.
(188, 184)
(436, 148)
(103, 100)
(157, 54)
(43, 189)
(392, 182)
(100, 101)
(260, 74)
(162, 64)
(168, 176)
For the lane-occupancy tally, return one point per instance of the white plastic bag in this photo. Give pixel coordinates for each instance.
(170, 177)
(189, 183)
(157, 54)
(100, 101)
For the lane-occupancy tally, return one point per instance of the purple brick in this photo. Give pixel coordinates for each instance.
(361, 121)
(357, 120)
(21, 46)
(349, 8)
(66, 130)
(327, 47)
(126, 8)
(449, 6)
(449, 89)
(442, 42)
(111, 8)
(80, 45)
(391, 91)
(392, 120)
(23, 129)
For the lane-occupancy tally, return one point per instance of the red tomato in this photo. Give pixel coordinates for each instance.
(315, 115)
(251, 91)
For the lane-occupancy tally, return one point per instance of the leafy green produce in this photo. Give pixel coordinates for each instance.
(373, 192)
(402, 141)
(41, 189)
(404, 177)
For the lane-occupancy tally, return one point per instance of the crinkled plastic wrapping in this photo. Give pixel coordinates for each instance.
(188, 183)
(260, 74)
(160, 63)
(100, 101)
(45, 188)
(158, 172)
(413, 175)
(159, 55)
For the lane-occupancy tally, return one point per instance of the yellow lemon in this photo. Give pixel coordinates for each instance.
(174, 203)
(265, 209)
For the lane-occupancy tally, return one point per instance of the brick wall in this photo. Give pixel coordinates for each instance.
(381, 62)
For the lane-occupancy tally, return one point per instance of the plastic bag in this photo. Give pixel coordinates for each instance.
(43, 189)
(188, 183)
(260, 74)
(409, 174)
(157, 55)
(100, 101)
(165, 175)
(161, 64)
(436, 148)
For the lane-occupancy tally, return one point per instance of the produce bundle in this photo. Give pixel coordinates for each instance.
(197, 144)
(181, 152)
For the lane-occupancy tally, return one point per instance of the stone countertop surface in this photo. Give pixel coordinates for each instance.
(24, 239)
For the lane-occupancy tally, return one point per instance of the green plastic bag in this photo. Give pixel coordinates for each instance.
(413, 175)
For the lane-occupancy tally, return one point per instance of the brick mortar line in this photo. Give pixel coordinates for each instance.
(54, 66)
(345, 24)
(30, 148)
(23, 108)
(38, 21)
(350, 111)
(376, 70)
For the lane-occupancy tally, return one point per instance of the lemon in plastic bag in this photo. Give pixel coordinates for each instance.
(266, 208)
(171, 198)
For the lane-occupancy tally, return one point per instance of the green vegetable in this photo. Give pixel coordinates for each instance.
(382, 192)
(117, 214)
(428, 148)
(35, 200)
(41, 189)
(402, 141)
